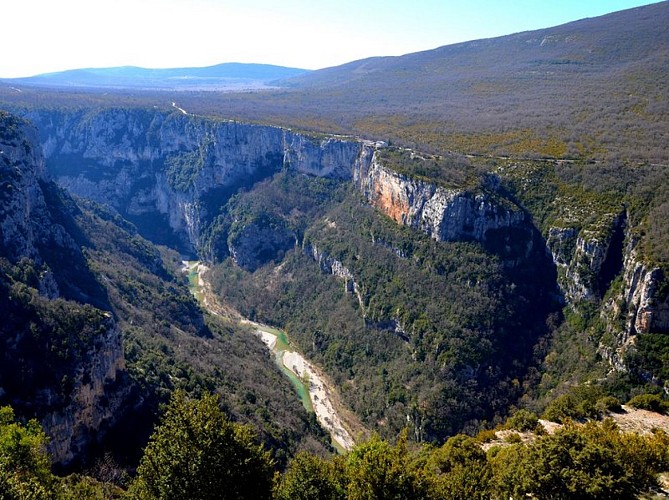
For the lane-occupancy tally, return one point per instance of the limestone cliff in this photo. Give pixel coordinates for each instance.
(183, 169)
(448, 214)
(175, 170)
(74, 390)
(641, 306)
(648, 304)
(600, 265)
(587, 258)
(23, 210)
(171, 174)
(100, 389)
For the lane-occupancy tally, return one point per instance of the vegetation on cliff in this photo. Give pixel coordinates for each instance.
(439, 337)
(425, 330)
(93, 304)
(196, 452)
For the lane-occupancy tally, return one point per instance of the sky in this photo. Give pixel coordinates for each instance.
(40, 36)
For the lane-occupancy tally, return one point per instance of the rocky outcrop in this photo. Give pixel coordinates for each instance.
(647, 302)
(447, 214)
(641, 307)
(580, 264)
(587, 259)
(170, 169)
(333, 266)
(332, 157)
(645, 294)
(76, 408)
(100, 390)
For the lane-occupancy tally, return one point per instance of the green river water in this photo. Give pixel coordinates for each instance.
(281, 345)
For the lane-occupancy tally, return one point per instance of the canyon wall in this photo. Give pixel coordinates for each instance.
(180, 170)
(177, 167)
(84, 402)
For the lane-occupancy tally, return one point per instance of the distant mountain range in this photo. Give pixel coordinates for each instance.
(595, 87)
(230, 76)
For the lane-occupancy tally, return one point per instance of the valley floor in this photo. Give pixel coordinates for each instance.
(320, 395)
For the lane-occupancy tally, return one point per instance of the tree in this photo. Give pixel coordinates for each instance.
(309, 476)
(197, 453)
(523, 421)
(24, 463)
(459, 470)
(378, 471)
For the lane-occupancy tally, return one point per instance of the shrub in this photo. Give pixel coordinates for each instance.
(650, 402)
(608, 403)
(523, 421)
(486, 435)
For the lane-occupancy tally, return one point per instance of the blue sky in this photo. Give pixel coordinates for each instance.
(39, 36)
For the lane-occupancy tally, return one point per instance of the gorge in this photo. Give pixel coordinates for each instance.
(190, 183)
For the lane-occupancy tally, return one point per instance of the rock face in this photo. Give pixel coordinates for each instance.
(176, 171)
(31, 234)
(641, 307)
(588, 259)
(331, 157)
(99, 393)
(447, 214)
(648, 304)
(23, 210)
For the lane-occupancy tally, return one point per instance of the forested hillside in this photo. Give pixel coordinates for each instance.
(452, 237)
(591, 89)
(100, 328)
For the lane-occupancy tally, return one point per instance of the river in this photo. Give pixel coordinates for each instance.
(313, 388)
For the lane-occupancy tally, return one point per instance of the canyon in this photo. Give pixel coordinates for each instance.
(129, 160)
(170, 175)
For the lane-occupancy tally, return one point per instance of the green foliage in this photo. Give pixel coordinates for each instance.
(310, 476)
(43, 342)
(197, 453)
(452, 171)
(182, 169)
(579, 403)
(427, 328)
(78, 487)
(513, 438)
(24, 464)
(590, 461)
(458, 470)
(486, 435)
(651, 354)
(523, 420)
(562, 408)
(650, 402)
(608, 404)
(378, 470)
